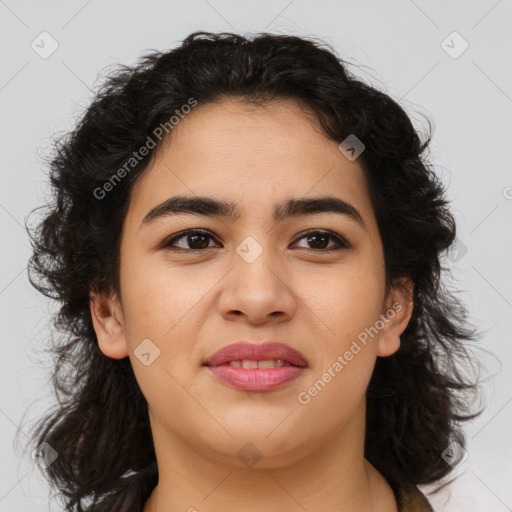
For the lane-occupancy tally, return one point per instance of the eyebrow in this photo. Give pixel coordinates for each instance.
(293, 207)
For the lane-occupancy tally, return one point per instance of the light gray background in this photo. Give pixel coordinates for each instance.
(468, 97)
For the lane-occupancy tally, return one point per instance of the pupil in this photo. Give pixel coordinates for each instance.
(195, 237)
(314, 237)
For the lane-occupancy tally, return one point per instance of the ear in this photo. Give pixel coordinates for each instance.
(108, 323)
(395, 316)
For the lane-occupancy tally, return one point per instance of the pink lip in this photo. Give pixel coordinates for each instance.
(256, 379)
(256, 352)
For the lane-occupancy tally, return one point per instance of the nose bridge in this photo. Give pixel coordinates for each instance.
(257, 288)
(257, 261)
(251, 250)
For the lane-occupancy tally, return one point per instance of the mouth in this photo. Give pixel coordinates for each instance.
(268, 354)
(256, 367)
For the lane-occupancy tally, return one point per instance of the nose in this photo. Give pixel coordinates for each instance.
(258, 291)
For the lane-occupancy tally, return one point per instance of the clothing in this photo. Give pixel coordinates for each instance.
(411, 499)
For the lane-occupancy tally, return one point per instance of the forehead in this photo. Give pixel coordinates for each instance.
(250, 154)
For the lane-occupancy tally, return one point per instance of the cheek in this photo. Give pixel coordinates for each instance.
(158, 305)
(167, 306)
(157, 298)
(348, 305)
(346, 300)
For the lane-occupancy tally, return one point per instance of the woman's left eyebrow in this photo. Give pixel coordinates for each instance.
(211, 207)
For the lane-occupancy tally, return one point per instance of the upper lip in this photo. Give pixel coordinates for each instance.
(265, 351)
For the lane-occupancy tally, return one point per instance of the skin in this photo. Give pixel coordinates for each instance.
(190, 304)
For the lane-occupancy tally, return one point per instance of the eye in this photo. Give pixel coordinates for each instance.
(320, 240)
(198, 240)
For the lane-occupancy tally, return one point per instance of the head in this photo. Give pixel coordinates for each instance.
(207, 196)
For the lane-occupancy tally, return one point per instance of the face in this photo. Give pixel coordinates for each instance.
(311, 279)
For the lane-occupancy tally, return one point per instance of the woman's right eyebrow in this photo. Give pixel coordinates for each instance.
(212, 207)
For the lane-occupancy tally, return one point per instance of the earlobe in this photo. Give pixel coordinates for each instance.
(396, 315)
(108, 325)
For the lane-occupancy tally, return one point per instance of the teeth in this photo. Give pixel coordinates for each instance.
(272, 363)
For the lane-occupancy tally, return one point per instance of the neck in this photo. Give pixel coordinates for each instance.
(334, 476)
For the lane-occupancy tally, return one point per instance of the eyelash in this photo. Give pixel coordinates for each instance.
(167, 244)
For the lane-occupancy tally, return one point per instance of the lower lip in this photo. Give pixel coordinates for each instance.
(256, 379)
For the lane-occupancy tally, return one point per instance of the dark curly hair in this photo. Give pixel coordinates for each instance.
(416, 399)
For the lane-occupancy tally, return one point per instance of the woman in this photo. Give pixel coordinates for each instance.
(247, 244)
